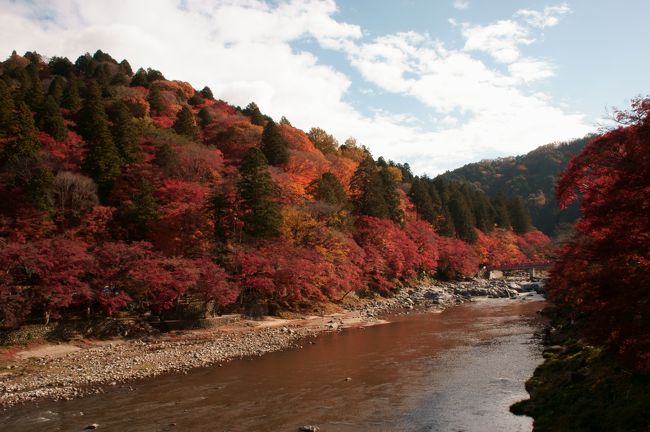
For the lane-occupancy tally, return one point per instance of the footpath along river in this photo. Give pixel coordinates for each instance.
(458, 370)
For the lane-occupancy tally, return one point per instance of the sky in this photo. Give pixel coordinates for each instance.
(435, 83)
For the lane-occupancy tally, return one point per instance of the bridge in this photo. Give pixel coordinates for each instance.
(496, 272)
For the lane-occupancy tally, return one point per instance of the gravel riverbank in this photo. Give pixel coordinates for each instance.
(63, 372)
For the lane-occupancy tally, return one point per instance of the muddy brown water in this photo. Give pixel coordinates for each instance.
(458, 370)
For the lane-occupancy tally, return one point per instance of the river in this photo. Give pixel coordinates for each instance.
(458, 370)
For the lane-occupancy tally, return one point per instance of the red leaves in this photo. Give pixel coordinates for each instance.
(604, 273)
(43, 276)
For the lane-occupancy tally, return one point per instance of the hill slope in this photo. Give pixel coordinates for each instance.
(531, 176)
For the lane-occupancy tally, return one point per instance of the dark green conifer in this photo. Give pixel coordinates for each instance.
(154, 75)
(25, 144)
(125, 67)
(124, 133)
(205, 117)
(155, 101)
(462, 217)
(519, 216)
(391, 196)
(328, 188)
(34, 96)
(60, 66)
(367, 191)
(185, 124)
(140, 79)
(103, 162)
(70, 98)
(501, 213)
(256, 116)
(207, 93)
(262, 217)
(421, 198)
(56, 88)
(141, 212)
(51, 120)
(6, 108)
(196, 99)
(274, 146)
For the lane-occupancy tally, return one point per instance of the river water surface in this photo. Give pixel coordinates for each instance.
(458, 370)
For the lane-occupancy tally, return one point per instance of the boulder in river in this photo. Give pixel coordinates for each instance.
(309, 428)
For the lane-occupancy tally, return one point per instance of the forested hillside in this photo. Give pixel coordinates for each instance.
(125, 192)
(531, 177)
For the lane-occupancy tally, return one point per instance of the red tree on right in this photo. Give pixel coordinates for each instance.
(603, 273)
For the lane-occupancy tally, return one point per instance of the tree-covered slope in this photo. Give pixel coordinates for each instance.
(531, 176)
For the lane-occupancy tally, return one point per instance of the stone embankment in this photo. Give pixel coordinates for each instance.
(58, 372)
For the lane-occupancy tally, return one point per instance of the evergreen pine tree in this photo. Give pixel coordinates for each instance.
(462, 217)
(60, 66)
(70, 98)
(6, 108)
(185, 124)
(102, 162)
(140, 79)
(142, 211)
(274, 146)
(34, 96)
(262, 216)
(519, 216)
(421, 198)
(391, 196)
(124, 133)
(125, 67)
(501, 213)
(25, 144)
(207, 93)
(155, 101)
(56, 88)
(367, 191)
(254, 113)
(205, 117)
(51, 120)
(328, 188)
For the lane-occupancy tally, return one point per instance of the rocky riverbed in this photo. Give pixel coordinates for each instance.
(67, 371)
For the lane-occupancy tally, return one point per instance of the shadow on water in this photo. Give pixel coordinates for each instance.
(458, 370)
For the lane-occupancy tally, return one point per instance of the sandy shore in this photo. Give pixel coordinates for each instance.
(66, 371)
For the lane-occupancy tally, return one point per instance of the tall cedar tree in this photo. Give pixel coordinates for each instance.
(256, 116)
(185, 124)
(519, 216)
(501, 214)
(367, 190)
(34, 95)
(6, 108)
(421, 198)
(262, 216)
(51, 120)
(140, 79)
(462, 217)
(140, 213)
(56, 88)
(125, 134)
(391, 196)
(25, 144)
(274, 146)
(328, 188)
(155, 100)
(102, 162)
(207, 93)
(70, 98)
(205, 117)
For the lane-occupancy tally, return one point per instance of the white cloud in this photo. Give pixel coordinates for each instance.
(461, 4)
(242, 50)
(549, 17)
(501, 40)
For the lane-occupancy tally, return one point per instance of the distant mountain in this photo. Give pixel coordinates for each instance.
(531, 176)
